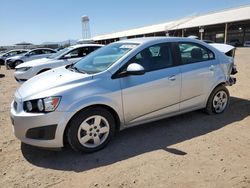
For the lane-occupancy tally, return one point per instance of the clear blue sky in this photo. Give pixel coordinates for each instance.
(38, 21)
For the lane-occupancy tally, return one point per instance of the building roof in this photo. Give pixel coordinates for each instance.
(23, 43)
(225, 16)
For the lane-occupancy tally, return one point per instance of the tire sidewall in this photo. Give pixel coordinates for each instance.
(76, 122)
(210, 108)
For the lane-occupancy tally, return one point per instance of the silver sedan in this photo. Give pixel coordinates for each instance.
(124, 84)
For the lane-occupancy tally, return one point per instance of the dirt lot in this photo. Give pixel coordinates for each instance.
(191, 150)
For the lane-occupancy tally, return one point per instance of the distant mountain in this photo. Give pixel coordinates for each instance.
(72, 42)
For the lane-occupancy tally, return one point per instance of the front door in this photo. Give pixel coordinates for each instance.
(157, 92)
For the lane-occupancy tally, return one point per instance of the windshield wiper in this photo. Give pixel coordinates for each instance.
(76, 69)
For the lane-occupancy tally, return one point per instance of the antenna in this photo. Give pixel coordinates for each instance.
(85, 27)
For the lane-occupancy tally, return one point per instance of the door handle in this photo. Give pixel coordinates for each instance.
(172, 78)
(211, 68)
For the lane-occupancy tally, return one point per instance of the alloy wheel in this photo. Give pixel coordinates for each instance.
(93, 131)
(220, 101)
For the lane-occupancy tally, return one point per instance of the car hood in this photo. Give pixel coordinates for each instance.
(37, 62)
(58, 80)
(224, 48)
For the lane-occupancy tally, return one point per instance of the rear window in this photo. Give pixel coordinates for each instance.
(231, 53)
(192, 53)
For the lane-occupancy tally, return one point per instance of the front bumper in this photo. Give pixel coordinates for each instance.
(23, 76)
(38, 129)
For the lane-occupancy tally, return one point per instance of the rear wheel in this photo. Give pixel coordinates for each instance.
(91, 130)
(218, 100)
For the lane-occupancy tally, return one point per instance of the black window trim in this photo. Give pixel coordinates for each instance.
(174, 58)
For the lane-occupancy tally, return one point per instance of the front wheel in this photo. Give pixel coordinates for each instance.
(18, 62)
(218, 100)
(91, 130)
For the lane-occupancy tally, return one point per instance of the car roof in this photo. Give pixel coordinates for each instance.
(158, 39)
(26, 50)
(85, 45)
(19, 50)
(41, 49)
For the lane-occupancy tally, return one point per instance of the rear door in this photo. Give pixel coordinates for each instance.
(197, 69)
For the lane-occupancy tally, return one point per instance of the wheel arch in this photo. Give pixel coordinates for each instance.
(14, 64)
(223, 83)
(19, 60)
(106, 107)
(43, 70)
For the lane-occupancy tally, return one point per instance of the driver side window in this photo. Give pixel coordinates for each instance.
(35, 52)
(72, 54)
(154, 57)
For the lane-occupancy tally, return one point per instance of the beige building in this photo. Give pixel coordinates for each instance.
(227, 26)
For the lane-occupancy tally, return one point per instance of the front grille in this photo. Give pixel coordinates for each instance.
(42, 133)
(15, 105)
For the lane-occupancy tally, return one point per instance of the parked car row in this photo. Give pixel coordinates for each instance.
(12, 62)
(11, 53)
(120, 85)
(66, 56)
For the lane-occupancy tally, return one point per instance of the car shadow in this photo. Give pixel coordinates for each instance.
(159, 135)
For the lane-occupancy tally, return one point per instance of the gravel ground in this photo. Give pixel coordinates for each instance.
(190, 150)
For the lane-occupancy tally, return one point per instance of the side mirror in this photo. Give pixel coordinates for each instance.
(135, 69)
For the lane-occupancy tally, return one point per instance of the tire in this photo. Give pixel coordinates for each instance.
(1, 62)
(218, 100)
(18, 62)
(91, 130)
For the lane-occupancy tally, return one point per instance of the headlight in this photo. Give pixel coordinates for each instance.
(23, 69)
(48, 104)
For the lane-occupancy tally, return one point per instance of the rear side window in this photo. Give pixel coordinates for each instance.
(74, 53)
(192, 53)
(155, 57)
(86, 50)
(12, 53)
(20, 52)
(45, 51)
(36, 52)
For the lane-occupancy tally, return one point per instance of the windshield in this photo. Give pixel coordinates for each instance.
(59, 53)
(103, 58)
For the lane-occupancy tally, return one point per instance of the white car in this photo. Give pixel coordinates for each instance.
(66, 56)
